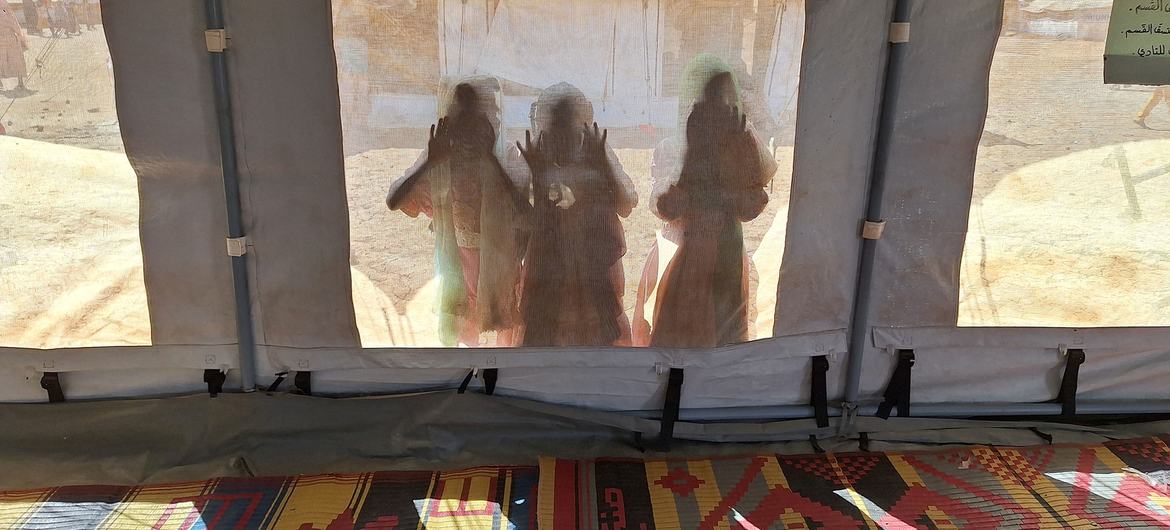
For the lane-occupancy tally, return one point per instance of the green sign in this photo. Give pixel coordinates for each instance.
(1137, 51)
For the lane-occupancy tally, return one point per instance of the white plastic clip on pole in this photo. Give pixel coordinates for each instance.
(217, 40)
(237, 246)
(899, 32)
(873, 229)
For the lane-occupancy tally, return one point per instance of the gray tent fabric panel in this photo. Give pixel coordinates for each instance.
(1022, 365)
(163, 85)
(1024, 375)
(755, 384)
(760, 373)
(841, 75)
(284, 81)
(939, 115)
(940, 110)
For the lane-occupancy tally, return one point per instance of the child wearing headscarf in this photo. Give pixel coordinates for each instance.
(705, 184)
(477, 214)
(573, 277)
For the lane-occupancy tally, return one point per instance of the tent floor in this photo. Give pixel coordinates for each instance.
(193, 438)
(1116, 484)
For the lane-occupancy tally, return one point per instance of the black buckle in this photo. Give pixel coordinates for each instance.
(280, 377)
(819, 396)
(215, 380)
(490, 377)
(1067, 397)
(51, 382)
(303, 382)
(898, 390)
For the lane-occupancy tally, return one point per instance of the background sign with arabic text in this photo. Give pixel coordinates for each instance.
(1137, 50)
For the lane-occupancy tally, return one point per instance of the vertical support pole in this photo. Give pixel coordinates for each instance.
(231, 186)
(859, 328)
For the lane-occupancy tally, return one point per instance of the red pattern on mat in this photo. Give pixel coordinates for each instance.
(1120, 484)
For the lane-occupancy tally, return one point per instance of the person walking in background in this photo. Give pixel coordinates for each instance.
(1161, 95)
(43, 22)
(68, 16)
(95, 11)
(78, 14)
(13, 44)
(31, 21)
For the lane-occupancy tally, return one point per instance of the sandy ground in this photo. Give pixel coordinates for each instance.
(1055, 238)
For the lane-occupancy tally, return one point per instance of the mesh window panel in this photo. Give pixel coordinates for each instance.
(1072, 184)
(670, 232)
(70, 258)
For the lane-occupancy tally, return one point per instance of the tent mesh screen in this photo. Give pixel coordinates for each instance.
(464, 241)
(70, 257)
(1072, 185)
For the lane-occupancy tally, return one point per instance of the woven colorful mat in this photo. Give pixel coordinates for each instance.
(1116, 485)
(481, 498)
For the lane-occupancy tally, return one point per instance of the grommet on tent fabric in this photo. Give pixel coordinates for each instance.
(899, 32)
(873, 229)
(819, 395)
(303, 382)
(1067, 397)
(51, 382)
(215, 380)
(898, 389)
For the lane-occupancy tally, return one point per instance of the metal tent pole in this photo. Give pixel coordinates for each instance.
(859, 328)
(217, 44)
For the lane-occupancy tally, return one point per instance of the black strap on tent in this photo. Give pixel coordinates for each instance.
(898, 389)
(812, 440)
(1043, 435)
(280, 377)
(303, 382)
(1068, 384)
(669, 415)
(490, 376)
(466, 381)
(819, 396)
(670, 409)
(51, 382)
(215, 380)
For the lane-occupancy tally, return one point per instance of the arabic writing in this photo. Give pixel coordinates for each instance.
(1144, 28)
